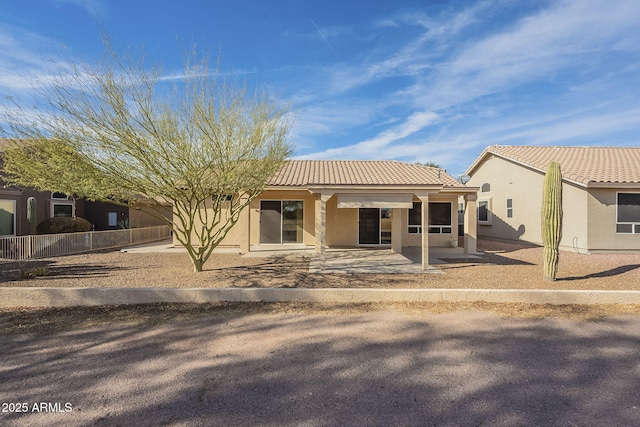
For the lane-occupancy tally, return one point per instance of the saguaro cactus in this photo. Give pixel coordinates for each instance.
(551, 220)
(32, 214)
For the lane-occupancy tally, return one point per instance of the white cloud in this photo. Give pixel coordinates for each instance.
(377, 147)
(94, 7)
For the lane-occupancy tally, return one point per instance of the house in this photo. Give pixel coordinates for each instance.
(600, 188)
(343, 203)
(103, 216)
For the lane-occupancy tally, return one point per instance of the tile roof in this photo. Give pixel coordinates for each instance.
(360, 172)
(583, 165)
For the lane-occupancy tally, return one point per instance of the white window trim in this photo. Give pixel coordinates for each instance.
(61, 202)
(58, 198)
(635, 226)
(488, 221)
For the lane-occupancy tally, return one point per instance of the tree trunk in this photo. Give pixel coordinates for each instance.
(197, 264)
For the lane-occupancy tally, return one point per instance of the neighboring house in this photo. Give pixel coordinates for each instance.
(103, 216)
(317, 203)
(601, 195)
(13, 210)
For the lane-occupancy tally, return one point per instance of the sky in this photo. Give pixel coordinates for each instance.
(416, 81)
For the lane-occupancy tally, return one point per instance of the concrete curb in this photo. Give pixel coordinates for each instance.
(67, 297)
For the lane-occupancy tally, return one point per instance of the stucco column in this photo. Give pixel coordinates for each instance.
(470, 223)
(396, 230)
(245, 244)
(321, 222)
(425, 231)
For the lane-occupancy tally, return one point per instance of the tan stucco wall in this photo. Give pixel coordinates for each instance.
(342, 224)
(140, 218)
(602, 222)
(524, 186)
(233, 238)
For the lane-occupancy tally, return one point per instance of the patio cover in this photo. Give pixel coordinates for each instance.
(404, 200)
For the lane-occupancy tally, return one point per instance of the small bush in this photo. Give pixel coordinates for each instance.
(33, 273)
(63, 225)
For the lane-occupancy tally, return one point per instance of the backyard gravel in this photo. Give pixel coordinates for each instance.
(503, 266)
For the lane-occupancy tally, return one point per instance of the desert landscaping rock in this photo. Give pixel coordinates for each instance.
(504, 266)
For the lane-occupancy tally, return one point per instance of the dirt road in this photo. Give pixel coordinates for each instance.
(376, 368)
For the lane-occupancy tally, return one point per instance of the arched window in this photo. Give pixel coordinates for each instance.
(486, 187)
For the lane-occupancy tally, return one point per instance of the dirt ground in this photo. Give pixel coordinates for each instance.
(504, 266)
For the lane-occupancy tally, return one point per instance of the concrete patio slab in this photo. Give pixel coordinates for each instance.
(339, 260)
(377, 261)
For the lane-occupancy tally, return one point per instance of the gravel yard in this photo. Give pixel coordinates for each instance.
(504, 266)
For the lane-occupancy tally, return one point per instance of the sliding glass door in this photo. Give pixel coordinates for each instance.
(281, 221)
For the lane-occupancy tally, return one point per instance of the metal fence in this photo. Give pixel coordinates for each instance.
(52, 245)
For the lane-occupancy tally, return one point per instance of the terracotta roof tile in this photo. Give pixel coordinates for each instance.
(584, 165)
(360, 172)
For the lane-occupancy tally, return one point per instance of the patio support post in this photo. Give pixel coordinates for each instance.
(425, 231)
(470, 224)
(396, 230)
(321, 223)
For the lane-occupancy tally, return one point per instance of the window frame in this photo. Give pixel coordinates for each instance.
(282, 241)
(441, 228)
(414, 228)
(509, 208)
(486, 200)
(635, 225)
(432, 228)
(110, 215)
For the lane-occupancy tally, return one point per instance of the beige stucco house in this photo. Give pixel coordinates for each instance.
(320, 204)
(601, 195)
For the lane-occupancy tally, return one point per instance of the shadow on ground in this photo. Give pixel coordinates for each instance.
(290, 370)
(607, 273)
(16, 271)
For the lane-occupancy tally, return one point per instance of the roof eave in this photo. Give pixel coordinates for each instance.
(594, 184)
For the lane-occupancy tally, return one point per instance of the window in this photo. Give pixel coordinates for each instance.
(415, 219)
(59, 196)
(509, 208)
(486, 187)
(222, 197)
(112, 219)
(439, 218)
(7, 217)
(628, 213)
(61, 206)
(484, 212)
(62, 210)
(281, 221)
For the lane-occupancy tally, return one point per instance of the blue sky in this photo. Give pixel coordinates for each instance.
(408, 80)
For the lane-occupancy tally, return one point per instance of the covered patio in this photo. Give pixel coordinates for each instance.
(332, 204)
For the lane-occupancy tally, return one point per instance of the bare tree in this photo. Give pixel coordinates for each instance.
(121, 133)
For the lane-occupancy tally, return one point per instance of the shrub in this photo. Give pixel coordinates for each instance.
(63, 225)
